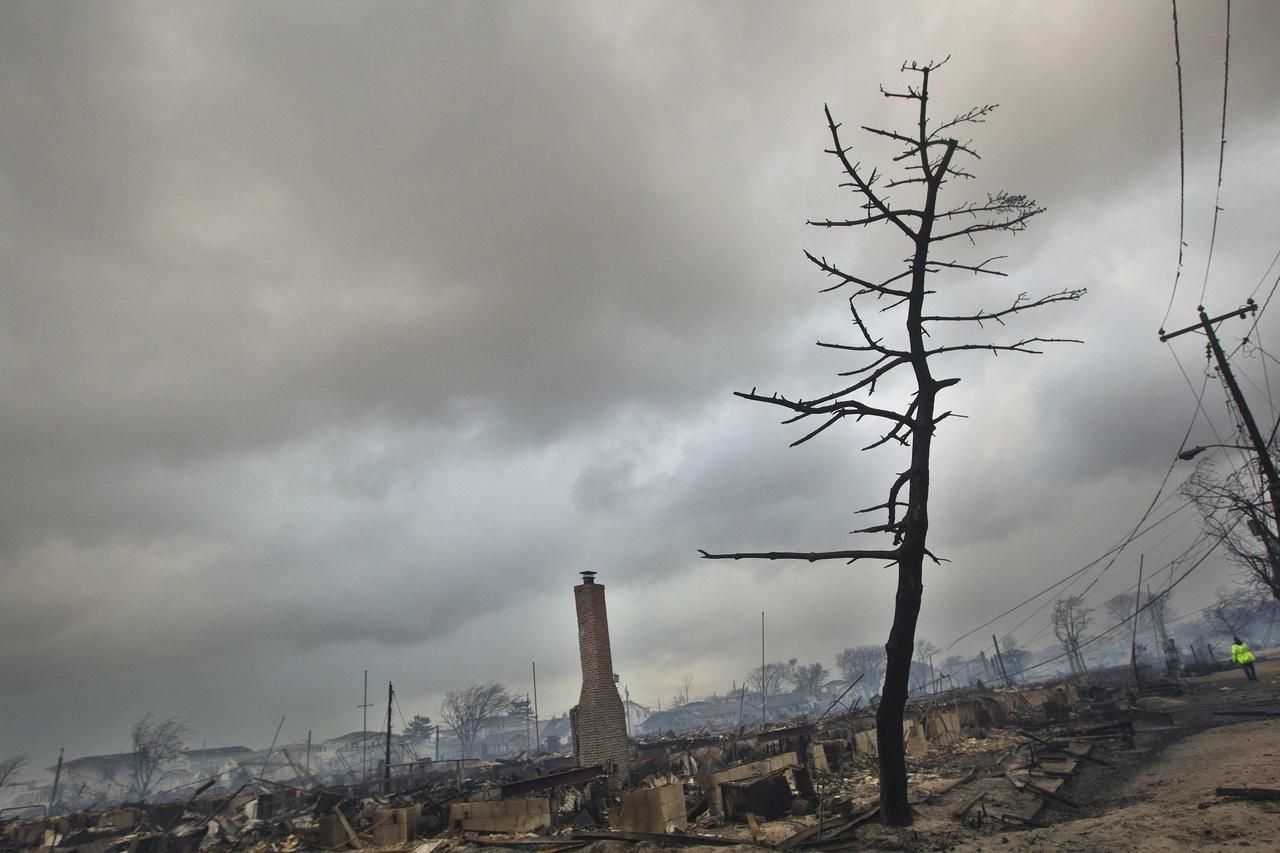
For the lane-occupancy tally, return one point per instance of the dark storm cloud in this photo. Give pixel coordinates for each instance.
(349, 331)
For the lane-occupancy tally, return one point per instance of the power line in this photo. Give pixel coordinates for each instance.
(1222, 149)
(1257, 316)
(1182, 167)
(1135, 532)
(1139, 610)
(1263, 281)
(1133, 535)
(1200, 409)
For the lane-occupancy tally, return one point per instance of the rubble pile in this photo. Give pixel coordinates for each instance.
(979, 759)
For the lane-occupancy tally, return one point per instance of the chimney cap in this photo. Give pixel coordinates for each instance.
(588, 577)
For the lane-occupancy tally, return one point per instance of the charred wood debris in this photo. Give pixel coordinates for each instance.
(990, 760)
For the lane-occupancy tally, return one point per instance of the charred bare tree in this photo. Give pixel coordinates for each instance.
(772, 678)
(1070, 619)
(682, 696)
(156, 743)
(1234, 610)
(468, 712)
(10, 766)
(809, 678)
(865, 661)
(1225, 500)
(931, 154)
(1120, 608)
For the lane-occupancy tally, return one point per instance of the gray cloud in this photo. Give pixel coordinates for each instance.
(348, 334)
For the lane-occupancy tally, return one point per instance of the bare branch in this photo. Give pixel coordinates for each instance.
(973, 208)
(937, 560)
(1023, 346)
(1018, 209)
(799, 441)
(892, 135)
(810, 556)
(866, 220)
(899, 432)
(1020, 303)
(974, 268)
(845, 278)
(842, 153)
(977, 115)
(847, 407)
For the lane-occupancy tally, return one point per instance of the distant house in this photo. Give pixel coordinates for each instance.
(784, 706)
(677, 720)
(356, 754)
(218, 761)
(636, 714)
(97, 776)
(557, 734)
(508, 734)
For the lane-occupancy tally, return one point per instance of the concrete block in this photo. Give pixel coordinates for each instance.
(917, 743)
(818, 757)
(656, 810)
(501, 816)
(330, 832)
(394, 826)
(942, 727)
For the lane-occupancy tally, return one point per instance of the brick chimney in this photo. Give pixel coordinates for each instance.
(599, 721)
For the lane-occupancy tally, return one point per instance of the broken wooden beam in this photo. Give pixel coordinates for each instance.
(346, 827)
(688, 839)
(572, 776)
(1027, 785)
(1257, 794)
(1015, 820)
(1056, 745)
(834, 839)
(968, 807)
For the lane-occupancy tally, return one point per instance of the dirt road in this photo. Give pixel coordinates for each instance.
(1169, 803)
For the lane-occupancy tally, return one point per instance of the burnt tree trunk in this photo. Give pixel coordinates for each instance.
(895, 810)
(928, 154)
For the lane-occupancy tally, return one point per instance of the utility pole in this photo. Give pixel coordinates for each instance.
(528, 706)
(386, 761)
(57, 777)
(308, 764)
(1004, 673)
(764, 693)
(1265, 462)
(364, 733)
(1137, 608)
(537, 736)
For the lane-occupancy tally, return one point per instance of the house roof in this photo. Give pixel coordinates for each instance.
(98, 761)
(216, 752)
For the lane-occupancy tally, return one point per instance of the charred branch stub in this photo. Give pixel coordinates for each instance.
(931, 155)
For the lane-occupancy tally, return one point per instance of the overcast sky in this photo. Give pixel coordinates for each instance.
(341, 336)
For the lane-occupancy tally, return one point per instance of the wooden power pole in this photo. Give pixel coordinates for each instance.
(386, 761)
(1265, 462)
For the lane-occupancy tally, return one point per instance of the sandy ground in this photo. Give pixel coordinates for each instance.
(1168, 803)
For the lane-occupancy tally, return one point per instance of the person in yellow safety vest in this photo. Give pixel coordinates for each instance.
(1240, 654)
